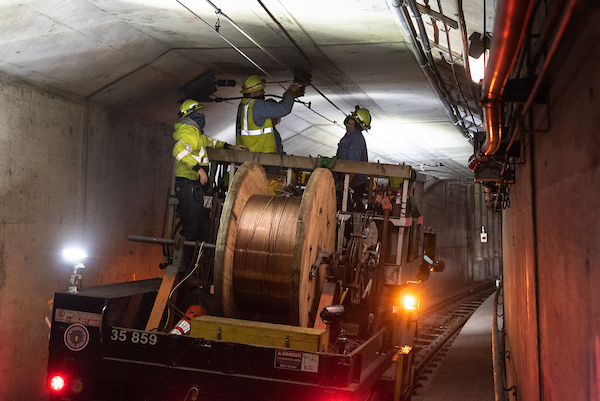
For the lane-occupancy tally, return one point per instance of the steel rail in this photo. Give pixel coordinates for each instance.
(427, 354)
(456, 298)
(445, 337)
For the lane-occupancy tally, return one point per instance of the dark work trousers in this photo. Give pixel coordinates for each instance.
(355, 203)
(192, 212)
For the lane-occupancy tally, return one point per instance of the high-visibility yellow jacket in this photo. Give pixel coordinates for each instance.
(260, 138)
(190, 149)
(255, 138)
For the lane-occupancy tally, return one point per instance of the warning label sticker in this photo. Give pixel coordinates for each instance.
(73, 317)
(296, 360)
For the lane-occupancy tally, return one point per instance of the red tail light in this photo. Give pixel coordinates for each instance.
(57, 383)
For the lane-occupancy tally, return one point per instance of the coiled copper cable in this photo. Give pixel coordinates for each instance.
(262, 264)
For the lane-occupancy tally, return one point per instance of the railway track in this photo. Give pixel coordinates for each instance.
(438, 327)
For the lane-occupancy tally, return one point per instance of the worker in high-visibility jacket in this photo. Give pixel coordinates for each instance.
(254, 127)
(191, 168)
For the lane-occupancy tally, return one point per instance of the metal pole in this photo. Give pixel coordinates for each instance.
(344, 209)
(401, 230)
(166, 241)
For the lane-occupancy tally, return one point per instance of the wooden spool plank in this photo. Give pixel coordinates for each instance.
(316, 230)
(309, 163)
(329, 296)
(163, 296)
(250, 179)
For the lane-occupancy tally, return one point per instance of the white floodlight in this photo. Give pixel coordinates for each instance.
(74, 255)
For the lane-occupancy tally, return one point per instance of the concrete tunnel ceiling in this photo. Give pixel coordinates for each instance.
(136, 55)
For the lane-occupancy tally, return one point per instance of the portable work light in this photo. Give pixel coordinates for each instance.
(75, 256)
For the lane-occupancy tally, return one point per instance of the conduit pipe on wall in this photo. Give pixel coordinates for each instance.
(498, 366)
(560, 16)
(510, 23)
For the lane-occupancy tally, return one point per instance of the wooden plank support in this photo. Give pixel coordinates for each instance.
(327, 298)
(165, 289)
(308, 163)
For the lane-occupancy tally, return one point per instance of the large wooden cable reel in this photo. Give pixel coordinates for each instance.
(266, 246)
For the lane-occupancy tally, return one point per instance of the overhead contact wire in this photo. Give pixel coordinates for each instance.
(285, 32)
(225, 39)
(254, 42)
(221, 13)
(300, 51)
(298, 48)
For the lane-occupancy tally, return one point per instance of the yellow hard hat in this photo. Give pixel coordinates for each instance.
(253, 84)
(189, 106)
(362, 117)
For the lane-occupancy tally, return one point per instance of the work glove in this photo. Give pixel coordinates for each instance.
(327, 162)
(295, 90)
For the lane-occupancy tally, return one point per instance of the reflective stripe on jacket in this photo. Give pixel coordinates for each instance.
(190, 148)
(255, 138)
(251, 113)
(247, 125)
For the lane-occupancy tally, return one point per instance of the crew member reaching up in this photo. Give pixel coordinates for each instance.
(254, 126)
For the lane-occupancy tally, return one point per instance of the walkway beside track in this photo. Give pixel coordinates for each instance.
(466, 373)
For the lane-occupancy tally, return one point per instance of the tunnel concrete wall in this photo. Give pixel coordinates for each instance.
(456, 212)
(552, 234)
(71, 172)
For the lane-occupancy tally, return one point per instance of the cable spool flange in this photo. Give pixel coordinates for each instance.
(314, 231)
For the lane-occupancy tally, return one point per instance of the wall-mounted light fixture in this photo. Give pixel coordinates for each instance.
(478, 45)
